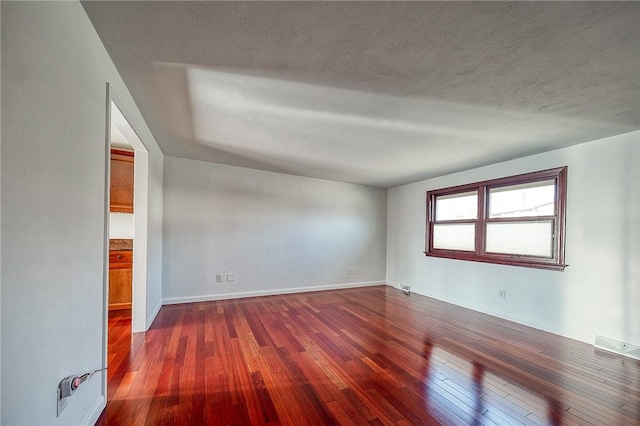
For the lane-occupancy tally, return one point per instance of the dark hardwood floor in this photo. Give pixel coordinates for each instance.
(358, 356)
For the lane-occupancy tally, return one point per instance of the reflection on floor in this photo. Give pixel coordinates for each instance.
(358, 356)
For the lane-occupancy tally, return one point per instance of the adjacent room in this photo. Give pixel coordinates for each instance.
(317, 212)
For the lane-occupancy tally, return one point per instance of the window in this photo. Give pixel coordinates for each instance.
(517, 220)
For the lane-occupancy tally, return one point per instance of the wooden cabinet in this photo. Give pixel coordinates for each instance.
(120, 279)
(121, 181)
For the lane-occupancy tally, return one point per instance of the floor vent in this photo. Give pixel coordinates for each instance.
(621, 348)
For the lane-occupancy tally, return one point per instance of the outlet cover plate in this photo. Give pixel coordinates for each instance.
(62, 404)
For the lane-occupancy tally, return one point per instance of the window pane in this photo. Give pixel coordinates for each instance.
(455, 236)
(529, 199)
(457, 206)
(525, 238)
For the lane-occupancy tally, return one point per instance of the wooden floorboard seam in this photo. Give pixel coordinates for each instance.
(368, 355)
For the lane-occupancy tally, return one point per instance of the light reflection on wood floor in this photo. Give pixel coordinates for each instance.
(358, 356)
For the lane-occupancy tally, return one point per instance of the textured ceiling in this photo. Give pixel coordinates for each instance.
(375, 93)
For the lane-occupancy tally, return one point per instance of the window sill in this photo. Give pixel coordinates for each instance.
(500, 260)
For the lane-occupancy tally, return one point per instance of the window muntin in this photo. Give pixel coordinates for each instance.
(517, 220)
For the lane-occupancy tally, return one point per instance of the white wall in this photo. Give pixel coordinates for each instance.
(54, 157)
(121, 226)
(599, 293)
(277, 232)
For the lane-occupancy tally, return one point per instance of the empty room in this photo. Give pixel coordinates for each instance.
(310, 213)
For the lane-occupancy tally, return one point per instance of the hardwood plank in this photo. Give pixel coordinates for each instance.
(357, 356)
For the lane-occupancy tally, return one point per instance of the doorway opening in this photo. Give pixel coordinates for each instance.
(126, 231)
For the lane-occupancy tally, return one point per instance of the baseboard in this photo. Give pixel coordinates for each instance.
(540, 325)
(153, 315)
(617, 347)
(393, 284)
(95, 412)
(528, 322)
(224, 296)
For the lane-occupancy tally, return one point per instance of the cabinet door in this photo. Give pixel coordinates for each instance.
(121, 181)
(120, 288)
(120, 279)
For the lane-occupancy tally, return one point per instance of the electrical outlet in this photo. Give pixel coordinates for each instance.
(62, 403)
(231, 277)
(349, 270)
(218, 278)
(355, 270)
(502, 294)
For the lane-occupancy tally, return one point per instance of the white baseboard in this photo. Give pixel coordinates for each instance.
(153, 315)
(95, 412)
(394, 285)
(529, 322)
(224, 296)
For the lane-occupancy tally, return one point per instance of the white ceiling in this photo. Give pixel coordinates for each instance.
(377, 93)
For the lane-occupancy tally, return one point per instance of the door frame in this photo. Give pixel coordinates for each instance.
(140, 217)
(140, 222)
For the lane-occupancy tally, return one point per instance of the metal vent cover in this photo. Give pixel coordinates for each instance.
(621, 348)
